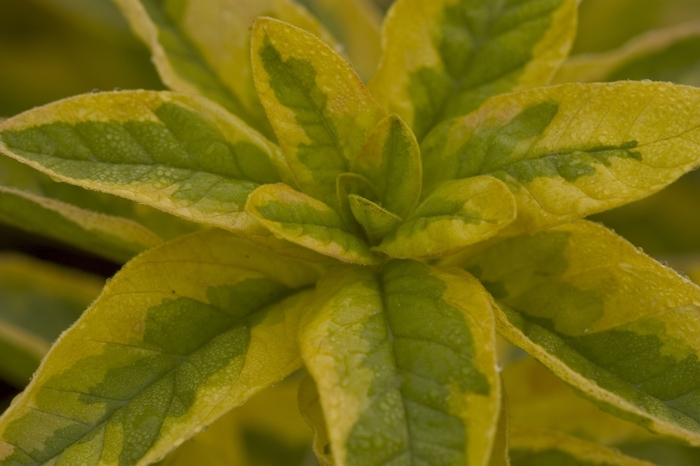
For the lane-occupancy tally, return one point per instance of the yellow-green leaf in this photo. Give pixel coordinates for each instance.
(178, 153)
(321, 112)
(352, 183)
(619, 327)
(310, 406)
(38, 301)
(572, 150)
(301, 219)
(405, 365)
(455, 215)
(671, 54)
(267, 430)
(181, 335)
(375, 220)
(462, 52)
(202, 46)
(499, 453)
(356, 24)
(530, 447)
(390, 160)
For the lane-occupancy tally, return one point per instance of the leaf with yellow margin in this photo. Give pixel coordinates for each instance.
(463, 52)
(320, 110)
(619, 327)
(301, 219)
(405, 365)
(356, 25)
(38, 301)
(267, 430)
(571, 150)
(202, 46)
(456, 214)
(182, 334)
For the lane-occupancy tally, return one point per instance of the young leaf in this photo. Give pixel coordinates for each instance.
(455, 215)
(616, 325)
(115, 238)
(321, 112)
(669, 54)
(535, 447)
(352, 183)
(376, 221)
(404, 364)
(182, 334)
(174, 152)
(37, 302)
(310, 407)
(462, 52)
(356, 24)
(572, 150)
(301, 219)
(266, 430)
(202, 46)
(390, 160)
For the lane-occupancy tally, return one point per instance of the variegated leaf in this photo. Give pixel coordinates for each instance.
(178, 153)
(356, 24)
(38, 301)
(462, 52)
(321, 112)
(375, 220)
(455, 215)
(303, 220)
(182, 334)
(572, 150)
(670, 54)
(390, 160)
(405, 365)
(545, 448)
(202, 46)
(619, 327)
(267, 430)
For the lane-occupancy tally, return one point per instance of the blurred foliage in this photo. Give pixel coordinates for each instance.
(52, 49)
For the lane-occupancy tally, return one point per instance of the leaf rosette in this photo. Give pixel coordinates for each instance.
(376, 236)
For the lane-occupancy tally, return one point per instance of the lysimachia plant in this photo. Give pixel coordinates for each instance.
(363, 235)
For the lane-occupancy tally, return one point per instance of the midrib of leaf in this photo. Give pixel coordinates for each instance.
(315, 108)
(182, 359)
(231, 101)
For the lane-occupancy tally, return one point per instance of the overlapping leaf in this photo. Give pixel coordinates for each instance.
(301, 219)
(175, 152)
(618, 326)
(181, 335)
(356, 25)
(321, 112)
(462, 52)
(202, 46)
(572, 150)
(404, 364)
(37, 302)
(267, 430)
(310, 407)
(669, 54)
(456, 214)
